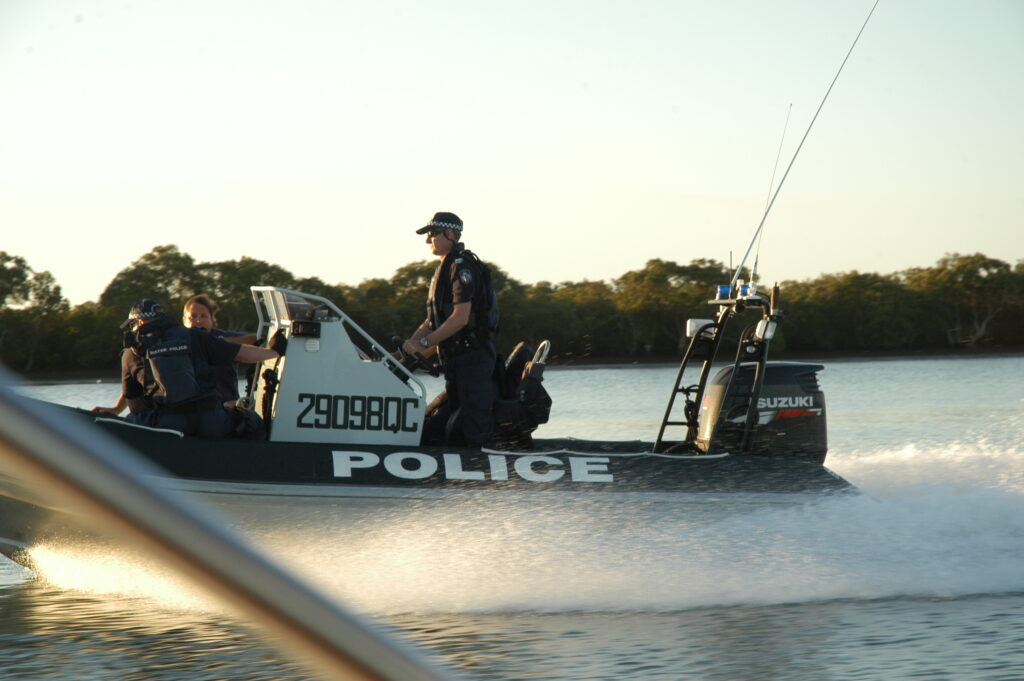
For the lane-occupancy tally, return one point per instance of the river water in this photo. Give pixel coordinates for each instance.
(919, 577)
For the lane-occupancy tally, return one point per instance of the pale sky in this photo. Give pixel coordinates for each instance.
(576, 139)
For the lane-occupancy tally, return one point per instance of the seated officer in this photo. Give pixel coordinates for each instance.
(201, 312)
(166, 373)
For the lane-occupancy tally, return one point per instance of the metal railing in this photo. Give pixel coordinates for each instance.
(105, 484)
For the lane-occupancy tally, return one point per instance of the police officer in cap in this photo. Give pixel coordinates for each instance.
(461, 323)
(167, 377)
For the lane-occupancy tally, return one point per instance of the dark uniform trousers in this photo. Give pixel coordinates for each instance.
(469, 381)
(215, 422)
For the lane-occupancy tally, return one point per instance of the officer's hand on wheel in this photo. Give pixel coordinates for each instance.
(278, 343)
(411, 348)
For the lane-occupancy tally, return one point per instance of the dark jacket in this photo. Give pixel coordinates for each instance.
(461, 277)
(168, 366)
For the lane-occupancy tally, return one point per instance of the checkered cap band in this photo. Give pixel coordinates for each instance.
(143, 310)
(445, 225)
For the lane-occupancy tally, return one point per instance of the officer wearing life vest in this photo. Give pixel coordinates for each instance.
(200, 311)
(167, 377)
(461, 324)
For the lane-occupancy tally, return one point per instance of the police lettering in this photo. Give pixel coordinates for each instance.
(419, 466)
(358, 412)
(162, 350)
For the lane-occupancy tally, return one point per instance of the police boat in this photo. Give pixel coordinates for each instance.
(340, 418)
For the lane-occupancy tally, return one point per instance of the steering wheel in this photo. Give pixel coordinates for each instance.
(415, 360)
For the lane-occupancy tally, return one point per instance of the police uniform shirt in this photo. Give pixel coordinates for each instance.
(216, 351)
(456, 280)
(225, 375)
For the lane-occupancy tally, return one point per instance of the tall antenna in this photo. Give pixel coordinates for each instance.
(778, 155)
(771, 203)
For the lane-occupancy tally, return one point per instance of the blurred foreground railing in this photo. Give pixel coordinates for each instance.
(104, 484)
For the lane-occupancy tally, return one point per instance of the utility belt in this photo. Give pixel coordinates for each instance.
(463, 343)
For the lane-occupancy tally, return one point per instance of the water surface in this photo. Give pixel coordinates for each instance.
(920, 577)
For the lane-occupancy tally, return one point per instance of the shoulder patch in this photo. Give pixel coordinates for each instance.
(466, 277)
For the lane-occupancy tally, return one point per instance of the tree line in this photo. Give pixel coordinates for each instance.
(962, 302)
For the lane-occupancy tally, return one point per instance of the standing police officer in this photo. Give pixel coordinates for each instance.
(462, 320)
(167, 377)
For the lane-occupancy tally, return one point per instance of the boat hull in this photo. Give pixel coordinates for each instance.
(262, 486)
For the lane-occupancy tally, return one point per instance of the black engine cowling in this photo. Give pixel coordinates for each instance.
(789, 418)
(523, 402)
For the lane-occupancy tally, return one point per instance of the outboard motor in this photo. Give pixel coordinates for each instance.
(788, 419)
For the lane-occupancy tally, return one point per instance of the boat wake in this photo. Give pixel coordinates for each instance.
(912, 470)
(122, 574)
(932, 522)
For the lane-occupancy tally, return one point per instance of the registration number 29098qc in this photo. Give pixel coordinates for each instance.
(358, 412)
